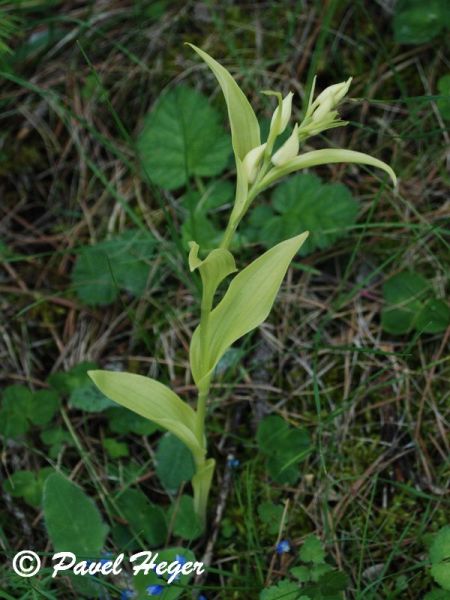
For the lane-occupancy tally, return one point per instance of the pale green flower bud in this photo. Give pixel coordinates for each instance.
(288, 150)
(335, 93)
(321, 114)
(251, 162)
(286, 110)
(323, 110)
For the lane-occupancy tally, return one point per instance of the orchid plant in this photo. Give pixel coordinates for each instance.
(247, 301)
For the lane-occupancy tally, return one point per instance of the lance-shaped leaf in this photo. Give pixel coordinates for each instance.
(243, 122)
(323, 157)
(213, 269)
(153, 400)
(245, 305)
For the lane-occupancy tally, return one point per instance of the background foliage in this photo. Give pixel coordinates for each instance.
(100, 104)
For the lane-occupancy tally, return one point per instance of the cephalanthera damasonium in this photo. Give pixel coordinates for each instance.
(252, 291)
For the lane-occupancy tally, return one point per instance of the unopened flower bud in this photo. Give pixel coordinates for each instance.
(251, 162)
(323, 109)
(286, 110)
(288, 150)
(334, 92)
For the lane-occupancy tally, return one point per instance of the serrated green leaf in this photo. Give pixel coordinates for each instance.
(318, 571)
(120, 263)
(441, 574)
(73, 521)
(440, 547)
(182, 137)
(284, 590)
(324, 157)
(214, 197)
(174, 463)
(271, 516)
(152, 400)
(243, 122)
(245, 305)
(418, 22)
(303, 574)
(312, 550)
(440, 558)
(304, 202)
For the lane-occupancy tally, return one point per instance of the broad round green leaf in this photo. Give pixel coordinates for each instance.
(186, 523)
(404, 295)
(90, 399)
(303, 202)
(73, 521)
(174, 463)
(15, 406)
(121, 263)
(418, 22)
(125, 421)
(182, 137)
(434, 316)
(285, 447)
(145, 519)
(43, 407)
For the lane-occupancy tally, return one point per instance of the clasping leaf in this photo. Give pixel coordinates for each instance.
(246, 305)
(153, 400)
(213, 269)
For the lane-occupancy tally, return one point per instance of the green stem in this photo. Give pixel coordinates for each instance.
(234, 221)
(201, 481)
(204, 467)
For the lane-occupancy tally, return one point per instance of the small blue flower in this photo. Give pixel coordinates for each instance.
(154, 590)
(126, 595)
(202, 597)
(106, 558)
(283, 547)
(181, 560)
(233, 462)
